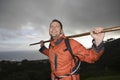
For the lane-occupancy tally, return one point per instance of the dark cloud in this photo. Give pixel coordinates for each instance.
(14, 13)
(94, 13)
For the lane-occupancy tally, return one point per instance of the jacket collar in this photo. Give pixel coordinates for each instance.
(58, 40)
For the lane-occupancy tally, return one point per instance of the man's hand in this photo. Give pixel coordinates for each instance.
(41, 43)
(97, 35)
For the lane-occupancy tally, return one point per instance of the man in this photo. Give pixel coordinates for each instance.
(61, 60)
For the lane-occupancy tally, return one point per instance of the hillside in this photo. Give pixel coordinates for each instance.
(107, 65)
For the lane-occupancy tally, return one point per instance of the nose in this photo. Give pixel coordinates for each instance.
(53, 29)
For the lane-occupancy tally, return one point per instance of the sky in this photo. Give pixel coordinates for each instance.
(27, 21)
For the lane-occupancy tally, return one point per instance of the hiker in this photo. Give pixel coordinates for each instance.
(65, 55)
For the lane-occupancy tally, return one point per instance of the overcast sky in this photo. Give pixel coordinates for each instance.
(26, 21)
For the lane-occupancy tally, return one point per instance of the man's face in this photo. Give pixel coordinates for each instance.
(55, 29)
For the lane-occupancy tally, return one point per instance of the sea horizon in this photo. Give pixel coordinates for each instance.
(21, 55)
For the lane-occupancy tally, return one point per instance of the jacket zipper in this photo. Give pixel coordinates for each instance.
(55, 61)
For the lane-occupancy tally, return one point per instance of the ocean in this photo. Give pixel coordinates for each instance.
(21, 55)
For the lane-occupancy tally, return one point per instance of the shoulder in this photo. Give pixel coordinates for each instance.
(74, 43)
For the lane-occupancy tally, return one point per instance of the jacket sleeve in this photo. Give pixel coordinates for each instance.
(87, 55)
(44, 50)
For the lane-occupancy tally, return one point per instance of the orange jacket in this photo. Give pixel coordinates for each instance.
(61, 60)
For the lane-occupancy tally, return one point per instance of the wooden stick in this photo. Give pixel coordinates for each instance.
(116, 28)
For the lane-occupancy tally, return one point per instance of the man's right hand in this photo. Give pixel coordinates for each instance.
(41, 43)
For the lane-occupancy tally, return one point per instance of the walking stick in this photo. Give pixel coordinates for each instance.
(115, 28)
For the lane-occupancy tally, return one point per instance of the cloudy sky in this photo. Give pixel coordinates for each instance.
(26, 21)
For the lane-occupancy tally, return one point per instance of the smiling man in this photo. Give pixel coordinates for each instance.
(63, 61)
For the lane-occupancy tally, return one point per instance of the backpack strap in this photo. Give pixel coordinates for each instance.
(67, 42)
(75, 69)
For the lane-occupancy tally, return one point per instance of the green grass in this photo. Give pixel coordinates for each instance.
(116, 77)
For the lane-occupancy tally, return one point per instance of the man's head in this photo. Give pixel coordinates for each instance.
(55, 28)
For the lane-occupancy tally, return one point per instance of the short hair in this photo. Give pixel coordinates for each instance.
(55, 20)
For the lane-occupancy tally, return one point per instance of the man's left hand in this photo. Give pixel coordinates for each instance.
(97, 35)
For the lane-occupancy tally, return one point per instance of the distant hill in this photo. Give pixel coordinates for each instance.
(107, 65)
(112, 52)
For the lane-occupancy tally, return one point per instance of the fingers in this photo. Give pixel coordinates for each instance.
(41, 43)
(98, 30)
(97, 33)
